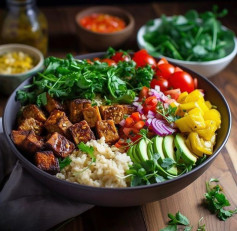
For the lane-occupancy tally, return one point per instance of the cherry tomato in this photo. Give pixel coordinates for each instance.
(109, 61)
(195, 83)
(120, 56)
(182, 80)
(143, 93)
(174, 93)
(163, 83)
(139, 125)
(142, 58)
(177, 69)
(162, 60)
(164, 70)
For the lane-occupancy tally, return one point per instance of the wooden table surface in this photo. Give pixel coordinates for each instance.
(153, 216)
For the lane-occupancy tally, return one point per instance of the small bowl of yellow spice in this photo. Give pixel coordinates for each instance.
(18, 62)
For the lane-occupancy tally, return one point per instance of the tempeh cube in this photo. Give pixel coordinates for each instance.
(60, 145)
(81, 132)
(129, 109)
(75, 109)
(115, 113)
(32, 111)
(18, 137)
(53, 104)
(58, 122)
(32, 143)
(107, 129)
(47, 162)
(91, 115)
(31, 124)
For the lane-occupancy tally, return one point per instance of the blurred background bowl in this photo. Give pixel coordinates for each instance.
(101, 41)
(8, 82)
(205, 68)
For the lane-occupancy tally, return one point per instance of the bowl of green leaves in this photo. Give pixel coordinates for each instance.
(196, 41)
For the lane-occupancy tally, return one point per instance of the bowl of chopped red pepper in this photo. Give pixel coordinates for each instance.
(104, 26)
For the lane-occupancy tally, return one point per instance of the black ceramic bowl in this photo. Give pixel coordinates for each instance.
(122, 197)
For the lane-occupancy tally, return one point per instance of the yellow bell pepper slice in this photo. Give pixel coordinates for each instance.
(199, 146)
(209, 105)
(182, 97)
(208, 132)
(213, 114)
(194, 96)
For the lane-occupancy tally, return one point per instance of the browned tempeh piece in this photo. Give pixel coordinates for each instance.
(107, 129)
(18, 137)
(31, 124)
(47, 162)
(53, 104)
(91, 115)
(115, 113)
(75, 109)
(32, 143)
(32, 111)
(60, 145)
(58, 122)
(129, 109)
(81, 132)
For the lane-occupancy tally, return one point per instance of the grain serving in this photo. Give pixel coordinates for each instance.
(107, 171)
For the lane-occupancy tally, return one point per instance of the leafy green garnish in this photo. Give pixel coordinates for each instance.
(70, 78)
(180, 219)
(191, 37)
(216, 201)
(87, 149)
(64, 162)
(41, 99)
(167, 113)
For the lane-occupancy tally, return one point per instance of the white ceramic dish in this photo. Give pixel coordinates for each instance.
(8, 82)
(207, 69)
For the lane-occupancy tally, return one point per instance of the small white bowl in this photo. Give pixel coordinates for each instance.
(8, 82)
(206, 68)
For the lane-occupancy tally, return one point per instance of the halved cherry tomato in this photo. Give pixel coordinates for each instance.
(142, 58)
(177, 69)
(109, 61)
(163, 83)
(195, 83)
(162, 61)
(136, 116)
(150, 104)
(129, 122)
(139, 125)
(164, 70)
(120, 56)
(182, 80)
(143, 93)
(174, 93)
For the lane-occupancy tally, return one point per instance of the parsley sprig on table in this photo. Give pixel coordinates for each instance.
(216, 201)
(70, 78)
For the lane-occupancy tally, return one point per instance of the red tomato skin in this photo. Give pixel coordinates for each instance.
(164, 70)
(182, 80)
(163, 83)
(174, 93)
(120, 56)
(143, 93)
(142, 58)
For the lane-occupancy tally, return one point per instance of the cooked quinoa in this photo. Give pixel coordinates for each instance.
(107, 171)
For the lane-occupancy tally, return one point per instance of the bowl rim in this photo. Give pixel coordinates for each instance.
(104, 189)
(142, 44)
(27, 47)
(129, 26)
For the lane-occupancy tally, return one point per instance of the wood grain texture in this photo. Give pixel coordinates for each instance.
(63, 39)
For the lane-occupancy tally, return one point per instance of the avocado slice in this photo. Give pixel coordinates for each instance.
(157, 147)
(185, 153)
(169, 152)
(136, 155)
(130, 153)
(142, 150)
(150, 150)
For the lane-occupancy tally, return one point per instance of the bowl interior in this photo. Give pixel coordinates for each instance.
(122, 196)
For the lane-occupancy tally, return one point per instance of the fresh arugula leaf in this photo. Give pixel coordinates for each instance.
(87, 149)
(216, 201)
(64, 162)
